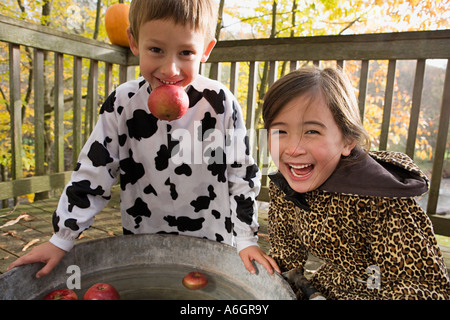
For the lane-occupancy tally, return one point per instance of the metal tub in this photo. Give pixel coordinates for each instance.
(150, 267)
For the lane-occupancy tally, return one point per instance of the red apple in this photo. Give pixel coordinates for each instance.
(168, 102)
(101, 291)
(195, 280)
(61, 294)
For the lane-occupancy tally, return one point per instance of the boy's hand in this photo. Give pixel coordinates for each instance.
(256, 253)
(47, 253)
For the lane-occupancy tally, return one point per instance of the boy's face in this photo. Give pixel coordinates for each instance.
(306, 144)
(169, 53)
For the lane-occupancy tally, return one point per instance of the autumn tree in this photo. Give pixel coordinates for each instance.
(270, 19)
(82, 17)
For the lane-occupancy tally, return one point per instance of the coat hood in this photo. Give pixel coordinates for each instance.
(378, 174)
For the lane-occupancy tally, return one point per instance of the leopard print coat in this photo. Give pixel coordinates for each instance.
(373, 246)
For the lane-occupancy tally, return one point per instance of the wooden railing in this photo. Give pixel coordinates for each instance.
(418, 46)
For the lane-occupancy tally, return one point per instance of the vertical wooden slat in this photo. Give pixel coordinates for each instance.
(92, 99)
(214, 72)
(39, 130)
(293, 65)
(126, 73)
(16, 111)
(251, 106)
(441, 141)
(59, 112)
(273, 70)
(387, 109)
(234, 78)
(108, 79)
(340, 64)
(415, 107)
(363, 78)
(77, 132)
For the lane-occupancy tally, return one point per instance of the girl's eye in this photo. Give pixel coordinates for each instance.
(276, 131)
(312, 132)
(186, 53)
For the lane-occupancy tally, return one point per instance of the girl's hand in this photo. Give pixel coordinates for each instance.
(256, 253)
(47, 253)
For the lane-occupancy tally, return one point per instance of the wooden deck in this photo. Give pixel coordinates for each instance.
(28, 225)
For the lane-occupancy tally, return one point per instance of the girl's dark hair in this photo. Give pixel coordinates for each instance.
(336, 90)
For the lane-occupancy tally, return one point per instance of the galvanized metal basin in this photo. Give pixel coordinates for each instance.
(150, 267)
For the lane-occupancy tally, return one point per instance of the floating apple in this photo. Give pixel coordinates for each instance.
(101, 291)
(61, 294)
(168, 102)
(195, 280)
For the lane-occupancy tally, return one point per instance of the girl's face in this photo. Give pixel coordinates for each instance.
(306, 144)
(169, 53)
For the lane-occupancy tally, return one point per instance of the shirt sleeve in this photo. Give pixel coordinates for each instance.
(88, 191)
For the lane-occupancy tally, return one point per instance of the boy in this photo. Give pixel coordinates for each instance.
(192, 176)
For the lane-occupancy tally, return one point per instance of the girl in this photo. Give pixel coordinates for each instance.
(331, 197)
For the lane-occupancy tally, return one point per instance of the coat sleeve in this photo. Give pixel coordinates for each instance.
(286, 247)
(89, 189)
(405, 250)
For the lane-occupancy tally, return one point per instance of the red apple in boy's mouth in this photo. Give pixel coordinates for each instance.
(195, 280)
(101, 291)
(61, 294)
(168, 102)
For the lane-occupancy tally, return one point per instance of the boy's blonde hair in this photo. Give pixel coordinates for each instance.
(201, 15)
(337, 91)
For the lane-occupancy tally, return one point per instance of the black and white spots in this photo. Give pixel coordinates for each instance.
(177, 177)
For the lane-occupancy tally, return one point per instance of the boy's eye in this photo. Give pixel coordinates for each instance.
(155, 50)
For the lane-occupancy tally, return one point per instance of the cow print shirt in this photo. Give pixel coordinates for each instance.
(192, 176)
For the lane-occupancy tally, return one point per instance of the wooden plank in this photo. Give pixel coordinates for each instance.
(415, 107)
(77, 137)
(293, 65)
(440, 148)
(441, 225)
(39, 129)
(126, 73)
(234, 78)
(264, 194)
(251, 106)
(59, 112)
(273, 72)
(214, 71)
(92, 99)
(108, 79)
(16, 111)
(363, 80)
(387, 108)
(400, 45)
(14, 188)
(33, 35)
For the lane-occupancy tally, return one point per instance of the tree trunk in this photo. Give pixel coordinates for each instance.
(265, 75)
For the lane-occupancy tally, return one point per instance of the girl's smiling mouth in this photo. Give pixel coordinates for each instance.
(300, 170)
